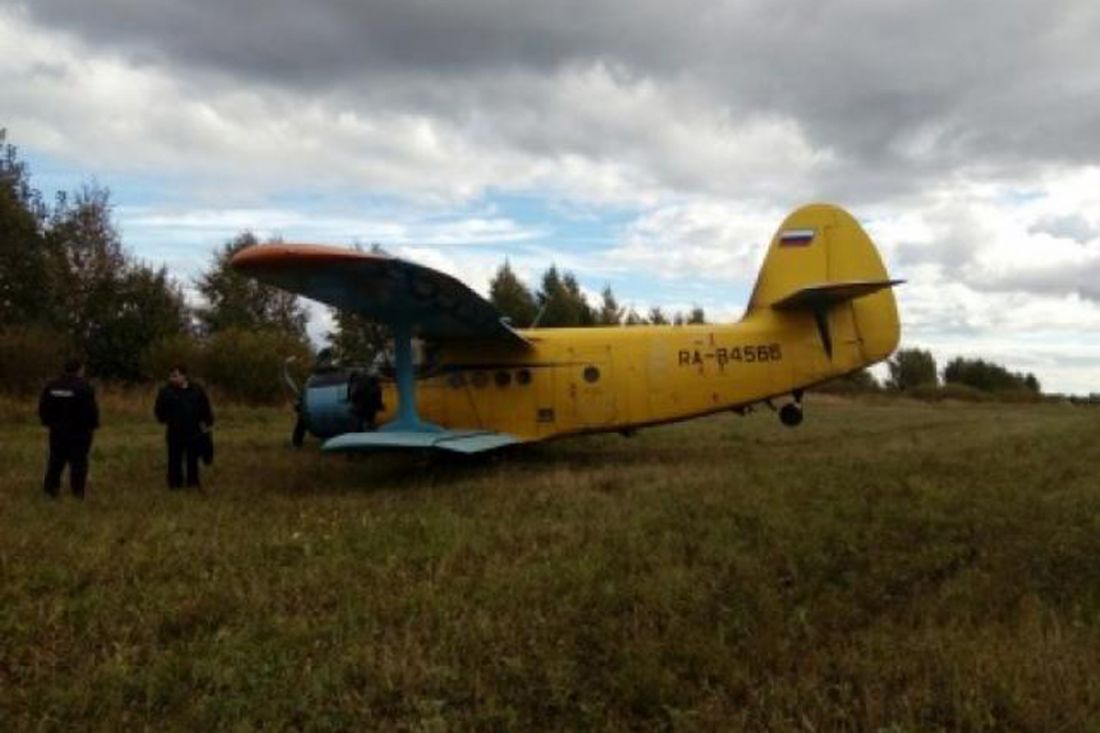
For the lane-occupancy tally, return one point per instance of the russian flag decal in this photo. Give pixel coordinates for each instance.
(796, 237)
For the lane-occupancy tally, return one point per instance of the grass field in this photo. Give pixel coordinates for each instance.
(887, 566)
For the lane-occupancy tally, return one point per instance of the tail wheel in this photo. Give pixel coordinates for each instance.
(791, 415)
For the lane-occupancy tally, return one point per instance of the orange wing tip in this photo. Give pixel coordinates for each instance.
(263, 256)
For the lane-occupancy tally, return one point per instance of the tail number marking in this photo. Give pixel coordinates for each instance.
(749, 353)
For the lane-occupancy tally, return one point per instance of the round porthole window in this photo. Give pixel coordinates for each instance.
(523, 376)
(503, 379)
(481, 379)
(591, 374)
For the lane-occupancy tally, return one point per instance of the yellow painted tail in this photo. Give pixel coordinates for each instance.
(821, 261)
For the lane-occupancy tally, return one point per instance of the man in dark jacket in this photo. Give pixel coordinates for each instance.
(185, 410)
(68, 408)
(366, 400)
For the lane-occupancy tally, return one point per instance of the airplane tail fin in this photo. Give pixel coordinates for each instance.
(821, 262)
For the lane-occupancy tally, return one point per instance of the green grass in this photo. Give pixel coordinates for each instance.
(887, 566)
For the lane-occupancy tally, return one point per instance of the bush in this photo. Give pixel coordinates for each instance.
(246, 365)
(961, 393)
(964, 393)
(172, 351)
(858, 382)
(30, 355)
(239, 364)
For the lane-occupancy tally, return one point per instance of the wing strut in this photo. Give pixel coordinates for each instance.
(408, 419)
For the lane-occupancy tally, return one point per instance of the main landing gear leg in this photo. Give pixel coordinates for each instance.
(408, 419)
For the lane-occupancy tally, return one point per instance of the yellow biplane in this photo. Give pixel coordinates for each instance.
(822, 307)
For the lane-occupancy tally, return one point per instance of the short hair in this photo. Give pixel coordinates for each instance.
(72, 366)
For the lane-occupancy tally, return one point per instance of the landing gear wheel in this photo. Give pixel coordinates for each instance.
(790, 415)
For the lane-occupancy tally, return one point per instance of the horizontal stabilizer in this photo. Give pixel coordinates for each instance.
(822, 296)
(458, 441)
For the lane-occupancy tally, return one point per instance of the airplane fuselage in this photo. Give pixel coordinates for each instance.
(598, 379)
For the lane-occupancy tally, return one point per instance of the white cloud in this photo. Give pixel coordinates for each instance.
(698, 239)
(971, 158)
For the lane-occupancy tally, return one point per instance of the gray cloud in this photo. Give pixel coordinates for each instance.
(901, 92)
(1067, 226)
(1080, 279)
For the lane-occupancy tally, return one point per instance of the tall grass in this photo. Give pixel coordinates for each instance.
(892, 565)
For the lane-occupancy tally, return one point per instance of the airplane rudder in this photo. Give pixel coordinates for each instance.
(855, 257)
(797, 256)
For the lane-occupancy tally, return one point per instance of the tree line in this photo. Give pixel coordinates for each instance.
(916, 368)
(68, 286)
(914, 371)
(559, 302)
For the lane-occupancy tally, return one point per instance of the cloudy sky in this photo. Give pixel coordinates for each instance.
(650, 145)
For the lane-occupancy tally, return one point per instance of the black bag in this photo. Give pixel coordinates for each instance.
(205, 447)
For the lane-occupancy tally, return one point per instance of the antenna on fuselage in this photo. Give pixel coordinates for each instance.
(538, 316)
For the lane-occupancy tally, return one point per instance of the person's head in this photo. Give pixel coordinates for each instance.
(73, 367)
(177, 375)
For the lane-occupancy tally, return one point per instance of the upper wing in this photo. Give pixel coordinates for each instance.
(380, 287)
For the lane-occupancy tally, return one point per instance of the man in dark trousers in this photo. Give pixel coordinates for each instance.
(68, 408)
(185, 410)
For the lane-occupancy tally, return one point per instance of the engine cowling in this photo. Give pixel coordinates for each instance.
(328, 404)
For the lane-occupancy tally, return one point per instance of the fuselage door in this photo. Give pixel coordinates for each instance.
(590, 385)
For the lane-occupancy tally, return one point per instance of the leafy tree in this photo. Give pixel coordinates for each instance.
(147, 307)
(562, 302)
(512, 297)
(610, 313)
(114, 308)
(911, 368)
(632, 318)
(585, 315)
(697, 316)
(29, 355)
(93, 260)
(28, 268)
(356, 340)
(657, 316)
(236, 301)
